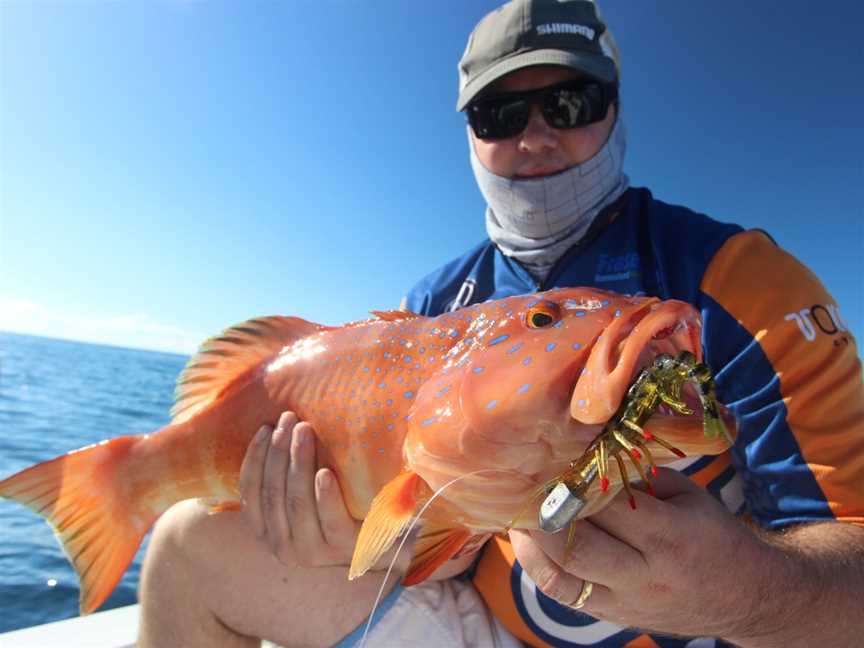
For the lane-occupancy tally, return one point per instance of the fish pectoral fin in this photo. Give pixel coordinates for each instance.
(389, 515)
(435, 545)
(394, 315)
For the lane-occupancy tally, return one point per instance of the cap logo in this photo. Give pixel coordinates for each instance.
(566, 28)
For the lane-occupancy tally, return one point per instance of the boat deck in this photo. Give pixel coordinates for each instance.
(117, 628)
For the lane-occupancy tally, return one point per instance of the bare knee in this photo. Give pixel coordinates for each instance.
(175, 609)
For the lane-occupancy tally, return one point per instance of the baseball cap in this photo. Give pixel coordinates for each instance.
(524, 33)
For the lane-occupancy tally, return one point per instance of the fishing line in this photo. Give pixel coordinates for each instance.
(407, 535)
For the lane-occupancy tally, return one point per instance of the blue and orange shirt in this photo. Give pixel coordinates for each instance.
(781, 355)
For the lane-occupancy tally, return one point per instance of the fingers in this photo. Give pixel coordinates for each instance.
(337, 525)
(550, 577)
(655, 525)
(670, 483)
(591, 554)
(273, 485)
(251, 476)
(299, 513)
(300, 489)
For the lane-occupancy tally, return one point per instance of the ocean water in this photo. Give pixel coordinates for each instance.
(56, 396)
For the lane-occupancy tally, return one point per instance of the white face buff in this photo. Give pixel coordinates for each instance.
(536, 221)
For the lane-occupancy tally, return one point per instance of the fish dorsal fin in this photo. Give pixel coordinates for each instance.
(394, 315)
(389, 515)
(434, 546)
(224, 357)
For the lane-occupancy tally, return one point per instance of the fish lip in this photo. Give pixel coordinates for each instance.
(667, 327)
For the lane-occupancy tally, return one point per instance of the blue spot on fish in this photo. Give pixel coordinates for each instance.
(443, 391)
(454, 333)
(491, 404)
(428, 421)
(386, 354)
(581, 402)
(605, 302)
(515, 347)
(498, 339)
(527, 361)
(580, 313)
(533, 303)
(389, 426)
(366, 369)
(524, 388)
(550, 346)
(558, 324)
(389, 402)
(422, 349)
(381, 385)
(407, 358)
(617, 312)
(409, 394)
(477, 370)
(577, 346)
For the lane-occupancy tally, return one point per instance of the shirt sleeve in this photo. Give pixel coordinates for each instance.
(787, 366)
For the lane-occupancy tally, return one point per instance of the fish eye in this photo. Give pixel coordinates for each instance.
(543, 315)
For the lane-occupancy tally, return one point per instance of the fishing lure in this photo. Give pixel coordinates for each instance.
(624, 434)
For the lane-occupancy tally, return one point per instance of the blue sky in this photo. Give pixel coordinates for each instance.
(170, 168)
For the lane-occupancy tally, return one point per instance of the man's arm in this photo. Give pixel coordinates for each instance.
(817, 599)
(682, 565)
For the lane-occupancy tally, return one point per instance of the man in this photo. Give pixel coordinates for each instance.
(538, 82)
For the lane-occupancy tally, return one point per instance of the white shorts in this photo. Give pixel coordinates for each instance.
(432, 614)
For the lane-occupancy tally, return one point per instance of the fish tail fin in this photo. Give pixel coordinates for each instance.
(389, 515)
(85, 496)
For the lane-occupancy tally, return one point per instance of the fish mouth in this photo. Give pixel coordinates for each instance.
(628, 345)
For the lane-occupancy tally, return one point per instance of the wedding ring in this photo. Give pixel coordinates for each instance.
(584, 593)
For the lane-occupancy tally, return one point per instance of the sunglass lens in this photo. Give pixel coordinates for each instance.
(574, 106)
(511, 117)
(499, 119)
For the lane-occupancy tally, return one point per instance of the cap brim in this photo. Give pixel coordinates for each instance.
(595, 65)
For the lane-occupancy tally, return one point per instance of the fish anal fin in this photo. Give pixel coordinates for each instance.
(221, 359)
(389, 515)
(435, 545)
(394, 315)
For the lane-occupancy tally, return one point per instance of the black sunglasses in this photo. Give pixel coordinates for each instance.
(565, 105)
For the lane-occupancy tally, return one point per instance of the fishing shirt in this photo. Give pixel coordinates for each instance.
(783, 362)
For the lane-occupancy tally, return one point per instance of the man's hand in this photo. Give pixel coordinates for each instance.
(300, 512)
(678, 564)
(297, 511)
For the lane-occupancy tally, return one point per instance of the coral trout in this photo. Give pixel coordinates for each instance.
(402, 404)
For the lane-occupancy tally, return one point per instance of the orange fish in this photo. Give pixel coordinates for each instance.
(401, 404)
